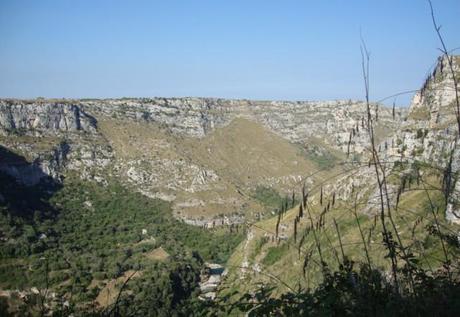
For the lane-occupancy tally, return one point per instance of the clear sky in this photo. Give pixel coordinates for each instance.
(281, 49)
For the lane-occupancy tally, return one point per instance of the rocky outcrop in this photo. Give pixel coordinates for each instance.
(297, 122)
(330, 121)
(210, 280)
(40, 117)
(53, 137)
(171, 174)
(46, 165)
(430, 133)
(435, 103)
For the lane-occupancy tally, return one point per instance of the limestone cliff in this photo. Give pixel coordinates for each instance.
(430, 134)
(192, 151)
(35, 117)
(54, 137)
(330, 121)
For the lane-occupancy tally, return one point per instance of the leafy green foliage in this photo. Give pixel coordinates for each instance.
(268, 196)
(70, 237)
(274, 254)
(158, 294)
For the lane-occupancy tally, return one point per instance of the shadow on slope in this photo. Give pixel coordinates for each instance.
(18, 199)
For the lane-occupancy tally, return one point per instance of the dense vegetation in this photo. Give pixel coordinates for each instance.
(76, 238)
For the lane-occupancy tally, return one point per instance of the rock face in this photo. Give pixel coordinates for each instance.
(432, 129)
(54, 137)
(210, 280)
(429, 134)
(330, 121)
(32, 173)
(44, 117)
(205, 155)
(196, 117)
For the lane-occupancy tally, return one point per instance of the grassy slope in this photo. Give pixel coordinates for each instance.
(249, 154)
(282, 261)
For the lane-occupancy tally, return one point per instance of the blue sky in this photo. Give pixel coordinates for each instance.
(295, 50)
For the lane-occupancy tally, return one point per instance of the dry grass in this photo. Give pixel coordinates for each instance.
(243, 154)
(289, 268)
(109, 293)
(158, 254)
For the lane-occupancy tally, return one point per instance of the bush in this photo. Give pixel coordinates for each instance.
(274, 254)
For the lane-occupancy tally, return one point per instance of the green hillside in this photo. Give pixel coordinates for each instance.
(82, 241)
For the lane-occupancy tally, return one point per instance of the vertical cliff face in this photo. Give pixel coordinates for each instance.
(44, 166)
(435, 102)
(432, 127)
(44, 117)
(430, 133)
(52, 137)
